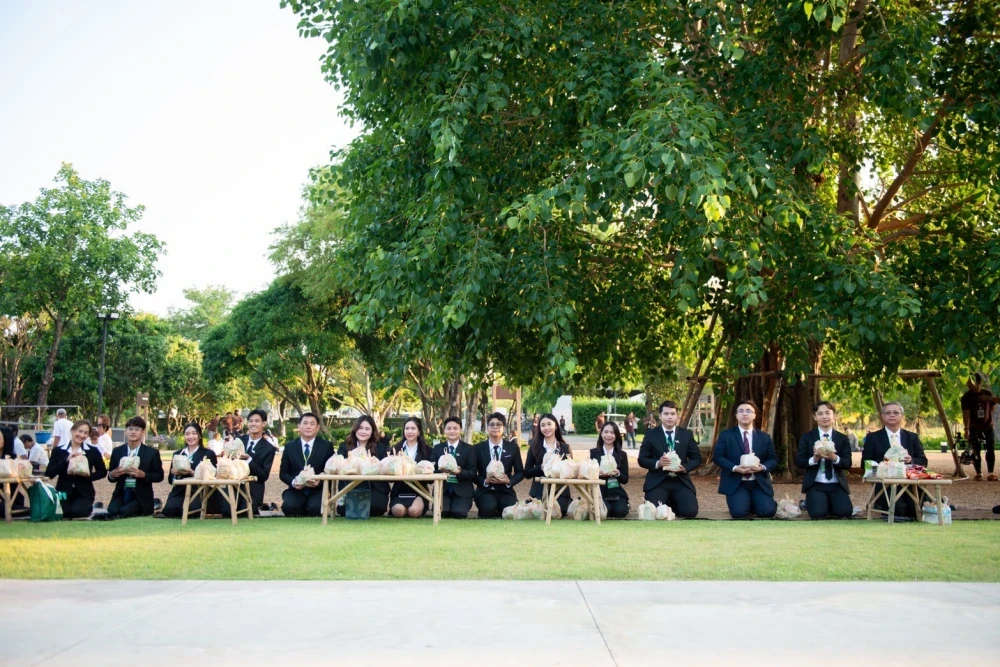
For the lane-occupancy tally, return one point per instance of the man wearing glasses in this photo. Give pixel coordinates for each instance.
(747, 489)
(496, 492)
(877, 444)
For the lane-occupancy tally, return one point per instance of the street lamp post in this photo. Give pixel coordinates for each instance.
(105, 317)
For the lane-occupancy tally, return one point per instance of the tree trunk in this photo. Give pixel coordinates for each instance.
(50, 362)
(471, 407)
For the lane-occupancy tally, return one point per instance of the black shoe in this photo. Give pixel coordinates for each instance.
(98, 505)
(157, 504)
(996, 509)
(104, 516)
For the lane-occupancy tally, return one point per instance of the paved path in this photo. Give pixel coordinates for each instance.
(486, 624)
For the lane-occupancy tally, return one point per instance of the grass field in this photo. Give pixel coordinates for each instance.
(408, 549)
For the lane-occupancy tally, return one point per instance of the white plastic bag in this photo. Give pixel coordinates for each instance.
(673, 462)
(351, 465)
(608, 464)
(589, 469)
(568, 469)
(447, 463)
(579, 509)
(508, 512)
(304, 476)
(892, 470)
(824, 448)
(787, 508)
(370, 465)
(204, 471)
(494, 468)
(896, 453)
(225, 469)
(749, 460)
(549, 462)
(425, 468)
(664, 513)
(334, 464)
(390, 465)
(180, 463)
(78, 465)
(129, 463)
(8, 468)
(646, 511)
(407, 466)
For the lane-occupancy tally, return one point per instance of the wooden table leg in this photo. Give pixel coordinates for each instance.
(593, 503)
(549, 497)
(438, 493)
(325, 510)
(187, 503)
(940, 504)
(246, 490)
(233, 503)
(203, 492)
(893, 497)
(7, 511)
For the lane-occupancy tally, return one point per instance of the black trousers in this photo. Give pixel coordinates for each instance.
(982, 440)
(174, 507)
(750, 498)
(682, 500)
(828, 500)
(491, 504)
(295, 502)
(618, 506)
(121, 509)
(904, 502)
(455, 507)
(76, 506)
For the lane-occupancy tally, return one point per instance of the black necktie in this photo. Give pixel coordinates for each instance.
(826, 462)
(305, 450)
(451, 450)
(250, 445)
(670, 440)
(496, 452)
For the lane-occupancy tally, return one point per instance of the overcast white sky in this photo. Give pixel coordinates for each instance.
(208, 112)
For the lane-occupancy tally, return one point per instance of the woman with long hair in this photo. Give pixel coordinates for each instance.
(364, 434)
(549, 441)
(609, 443)
(78, 487)
(196, 453)
(403, 500)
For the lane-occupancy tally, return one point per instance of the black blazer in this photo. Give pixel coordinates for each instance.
(621, 458)
(293, 458)
(402, 488)
(149, 463)
(843, 445)
(729, 449)
(83, 486)
(654, 445)
(201, 453)
(466, 459)
(513, 467)
(533, 468)
(381, 451)
(877, 444)
(261, 460)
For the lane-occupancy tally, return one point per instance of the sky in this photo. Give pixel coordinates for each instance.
(210, 113)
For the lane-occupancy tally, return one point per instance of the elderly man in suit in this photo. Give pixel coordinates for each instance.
(877, 443)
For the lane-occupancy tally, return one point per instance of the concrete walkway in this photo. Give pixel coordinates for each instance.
(509, 624)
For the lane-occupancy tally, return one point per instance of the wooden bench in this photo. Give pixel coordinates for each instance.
(415, 482)
(891, 488)
(588, 489)
(230, 489)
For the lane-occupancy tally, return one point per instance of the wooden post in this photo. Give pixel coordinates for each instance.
(959, 470)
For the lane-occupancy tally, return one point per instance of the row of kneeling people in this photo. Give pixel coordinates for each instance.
(669, 454)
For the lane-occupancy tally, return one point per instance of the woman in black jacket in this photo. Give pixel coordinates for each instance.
(403, 500)
(364, 434)
(79, 488)
(609, 443)
(549, 441)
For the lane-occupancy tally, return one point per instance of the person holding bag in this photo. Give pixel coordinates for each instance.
(613, 491)
(549, 441)
(825, 454)
(135, 468)
(194, 452)
(746, 457)
(403, 500)
(670, 454)
(496, 493)
(364, 436)
(78, 466)
(458, 489)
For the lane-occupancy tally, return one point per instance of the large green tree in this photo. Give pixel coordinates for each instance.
(207, 307)
(69, 254)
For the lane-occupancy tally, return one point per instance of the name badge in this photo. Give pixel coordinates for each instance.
(452, 479)
(130, 483)
(613, 484)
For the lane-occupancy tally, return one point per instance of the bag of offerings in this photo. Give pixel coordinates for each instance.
(304, 476)
(407, 466)
(929, 513)
(8, 468)
(896, 453)
(390, 465)
(787, 508)
(508, 512)
(351, 466)
(603, 510)
(824, 448)
(891, 470)
(370, 465)
(233, 449)
(334, 464)
(568, 469)
(664, 513)
(494, 468)
(204, 471)
(24, 470)
(579, 509)
(357, 453)
(425, 468)
(589, 469)
(646, 511)
(447, 463)
(180, 463)
(549, 462)
(608, 464)
(225, 469)
(129, 463)
(78, 465)
(749, 460)
(522, 510)
(673, 462)
(241, 469)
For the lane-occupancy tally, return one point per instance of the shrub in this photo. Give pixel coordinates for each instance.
(479, 436)
(586, 409)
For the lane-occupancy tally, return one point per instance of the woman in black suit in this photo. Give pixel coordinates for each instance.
(609, 443)
(364, 434)
(404, 501)
(193, 449)
(550, 440)
(79, 489)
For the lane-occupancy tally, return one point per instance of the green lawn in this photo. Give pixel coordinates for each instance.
(408, 549)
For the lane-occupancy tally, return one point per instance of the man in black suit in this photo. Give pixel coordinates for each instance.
(458, 489)
(259, 456)
(877, 443)
(305, 500)
(673, 488)
(825, 481)
(133, 494)
(747, 489)
(497, 493)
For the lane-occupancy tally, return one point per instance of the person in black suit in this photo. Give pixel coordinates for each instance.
(549, 441)
(364, 434)
(259, 450)
(609, 443)
(877, 443)
(459, 491)
(307, 449)
(79, 489)
(673, 488)
(403, 500)
(747, 490)
(497, 493)
(133, 494)
(825, 480)
(193, 449)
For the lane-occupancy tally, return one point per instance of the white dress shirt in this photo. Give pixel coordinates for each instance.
(62, 428)
(37, 454)
(821, 475)
(105, 444)
(749, 434)
(19, 449)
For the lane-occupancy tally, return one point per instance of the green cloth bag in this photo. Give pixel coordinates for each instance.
(44, 501)
(358, 504)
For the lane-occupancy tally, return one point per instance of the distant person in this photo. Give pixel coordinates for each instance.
(613, 492)
(238, 421)
(173, 508)
(748, 489)
(977, 424)
(562, 423)
(133, 493)
(877, 444)
(104, 441)
(227, 423)
(853, 438)
(20, 450)
(825, 478)
(213, 427)
(307, 449)
(630, 429)
(534, 426)
(673, 488)
(496, 493)
(78, 487)
(549, 441)
(599, 422)
(61, 429)
(37, 455)
(217, 443)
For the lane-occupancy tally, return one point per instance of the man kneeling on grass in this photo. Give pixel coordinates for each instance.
(496, 491)
(458, 489)
(307, 449)
(133, 494)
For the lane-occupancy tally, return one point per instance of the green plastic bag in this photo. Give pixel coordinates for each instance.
(358, 504)
(44, 501)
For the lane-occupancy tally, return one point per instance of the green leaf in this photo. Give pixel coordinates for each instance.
(631, 178)
(513, 222)
(820, 13)
(809, 9)
(837, 22)
(738, 53)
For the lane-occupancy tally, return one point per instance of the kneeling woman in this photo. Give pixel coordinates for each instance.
(193, 449)
(549, 441)
(403, 500)
(77, 485)
(613, 490)
(364, 434)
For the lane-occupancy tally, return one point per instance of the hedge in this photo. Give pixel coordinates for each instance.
(585, 411)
